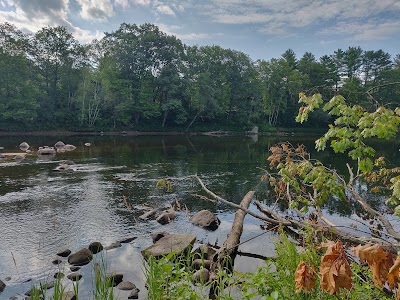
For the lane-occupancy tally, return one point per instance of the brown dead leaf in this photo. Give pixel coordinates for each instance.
(335, 269)
(305, 277)
(393, 275)
(379, 261)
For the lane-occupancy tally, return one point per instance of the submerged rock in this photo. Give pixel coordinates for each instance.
(95, 247)
(80, 258)
(59, 275)
(69, 147)
(178, 243)
(205, 219)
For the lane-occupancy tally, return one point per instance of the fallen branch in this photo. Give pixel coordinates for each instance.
(225, 256)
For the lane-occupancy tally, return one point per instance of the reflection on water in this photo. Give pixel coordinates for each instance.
(42, 211)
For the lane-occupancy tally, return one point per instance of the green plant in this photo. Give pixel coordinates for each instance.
(103, 284)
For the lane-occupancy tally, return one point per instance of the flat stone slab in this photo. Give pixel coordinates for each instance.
(177, 243)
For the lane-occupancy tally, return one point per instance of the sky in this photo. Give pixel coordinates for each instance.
(263, 29)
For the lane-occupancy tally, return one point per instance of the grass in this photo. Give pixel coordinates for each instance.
(168, 278)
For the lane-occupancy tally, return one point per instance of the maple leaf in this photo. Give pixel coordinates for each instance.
(335, 269)
(393, 275)
(305, 277)
(379, 261)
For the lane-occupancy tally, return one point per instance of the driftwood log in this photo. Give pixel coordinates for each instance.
(225, 256)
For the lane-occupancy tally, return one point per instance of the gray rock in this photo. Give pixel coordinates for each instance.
(205, 219)
(2, 156)
(69, 147)
(126, 286)
(2, 286)
(80, 258)
(74, 269)
(202, 275)
(115, 278)
(134, 294)
(155, 236)
(204, 252)
(50, 284)
(68, 296)
(59, 144)
(113, 246)
(74, 276)
(8, 278)
(179, 243)
(46, 151)
(62, 167)
(64, 253)
(95, 247)
(24, 146)
(166, 217)
(19, 157)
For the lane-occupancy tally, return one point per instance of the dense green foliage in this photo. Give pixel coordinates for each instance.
(139, 78)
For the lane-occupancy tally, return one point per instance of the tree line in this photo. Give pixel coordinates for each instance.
(139, 78)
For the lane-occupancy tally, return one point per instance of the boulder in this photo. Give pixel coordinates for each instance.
(2, 286)
(134, 294)
(44, 151)
(126, 286)
(74, 276)
(166, 217)
(64, 252)
(205, 219)
(178, 243)
(19, 157)
(95, 247)
(80, 258)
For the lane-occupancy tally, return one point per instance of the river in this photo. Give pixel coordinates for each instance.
(43, 211)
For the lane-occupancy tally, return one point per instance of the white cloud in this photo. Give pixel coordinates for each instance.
(277, 16)
(142, 2)
(96, 10)
(175, 30)
(165, 9)
(365, 31)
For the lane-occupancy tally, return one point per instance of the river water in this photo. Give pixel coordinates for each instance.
(43, 211)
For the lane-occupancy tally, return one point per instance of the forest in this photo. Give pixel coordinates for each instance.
(139, 78)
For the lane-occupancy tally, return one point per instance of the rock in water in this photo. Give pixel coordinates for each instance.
(126, 286)
(115, 278)
(205, 219)
(80, 258)
(59, 144)
(64, 252)
(179, 243)
(166, 217)
(68, 296)
(69, 147)
(95, 247)
(74, 276)
(2, 286)
(24, 146)
(134, 294)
